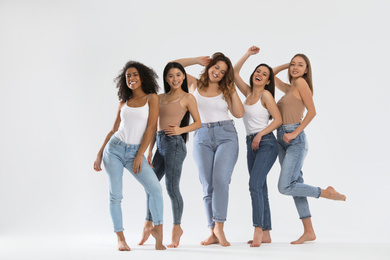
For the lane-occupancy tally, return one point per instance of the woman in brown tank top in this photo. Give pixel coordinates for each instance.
(176, 105)
(292, 140)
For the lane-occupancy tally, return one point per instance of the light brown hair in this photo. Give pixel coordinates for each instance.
(308, 76)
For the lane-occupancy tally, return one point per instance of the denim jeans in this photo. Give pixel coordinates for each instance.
(260, 162)
(216, 153)
(291, 157)
(118, 155)
(168, 161)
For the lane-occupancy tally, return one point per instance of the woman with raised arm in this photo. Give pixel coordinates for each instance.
(175, 106)
(292, 140)
(134, 126)
(216, 142)
(262, 147)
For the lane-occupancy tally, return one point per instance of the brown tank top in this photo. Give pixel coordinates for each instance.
(170, 114)
(291, 108)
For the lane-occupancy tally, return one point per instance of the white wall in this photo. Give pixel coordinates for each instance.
(58, 101)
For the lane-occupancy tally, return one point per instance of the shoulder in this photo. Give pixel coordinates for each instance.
(121, 104)
(301, 84)
(153, 98)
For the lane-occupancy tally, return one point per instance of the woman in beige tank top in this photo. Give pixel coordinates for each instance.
(292, 140)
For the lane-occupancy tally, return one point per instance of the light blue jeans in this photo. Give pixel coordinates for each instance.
(216, 153)
(118, 155)
(291, 157)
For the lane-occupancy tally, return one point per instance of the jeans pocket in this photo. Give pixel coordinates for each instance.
(229, 128)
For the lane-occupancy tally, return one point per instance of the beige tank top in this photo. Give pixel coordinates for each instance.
(170, 114)
(291, 108)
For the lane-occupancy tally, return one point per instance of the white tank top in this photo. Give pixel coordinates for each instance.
(255, 117)
(211, 109)
(133, 123)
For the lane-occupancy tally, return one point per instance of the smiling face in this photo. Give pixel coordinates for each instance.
(133, 79)
(261, 76)
(175, 78)
(217, 72)
(298, 67)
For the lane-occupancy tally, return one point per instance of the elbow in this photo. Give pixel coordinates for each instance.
(239, 114)
(278, 122)
(197, 124)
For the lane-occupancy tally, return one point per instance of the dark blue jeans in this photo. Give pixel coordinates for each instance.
(260, 162)
(168, 161)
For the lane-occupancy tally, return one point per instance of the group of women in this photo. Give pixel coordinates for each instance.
(144, 118)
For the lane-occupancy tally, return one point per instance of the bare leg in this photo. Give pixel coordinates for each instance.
(122, 245)
(308, 232)
(218, 231)
(148, 227)
(266, 236)
(257, 237)
(331, 193)
(212, 239)
(176, 235)
(157, 233)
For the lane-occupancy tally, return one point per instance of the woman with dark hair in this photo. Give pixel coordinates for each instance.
(175, 106)
(292, 140)
(216, 142)
(134, 126)
(262, 147)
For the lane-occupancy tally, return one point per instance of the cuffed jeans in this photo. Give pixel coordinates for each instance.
(291, 157)
(216, 153)
(260, 162)
(118, 155)
(168, 161)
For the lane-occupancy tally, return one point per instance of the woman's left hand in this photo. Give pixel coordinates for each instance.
(173, 130)
(287, 137)
(137, 164)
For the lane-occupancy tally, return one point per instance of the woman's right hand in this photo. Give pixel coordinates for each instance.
(253, 50)
(97, 164)
(203, 60)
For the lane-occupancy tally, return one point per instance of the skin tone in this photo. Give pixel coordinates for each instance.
(216, 73)
(139, 99)
(300, 89)
(174, 78)
(260, 80)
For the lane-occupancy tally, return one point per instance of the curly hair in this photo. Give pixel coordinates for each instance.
(184, 86)
(226, 85)
(148, 80)
(308, 76)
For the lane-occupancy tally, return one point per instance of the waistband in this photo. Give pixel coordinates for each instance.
(219, 123)
(251, 136)
(290, 127)
(115, 140)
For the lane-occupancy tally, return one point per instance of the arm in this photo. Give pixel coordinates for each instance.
(242, 86)
(150, 131)
(98, 160)
(307, 98)
(284, 87)
(190, 103)
(235, 105)
(150, 151)
(271, 106)
(192, 81)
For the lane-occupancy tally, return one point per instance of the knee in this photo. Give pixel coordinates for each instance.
(283, 189)
(115, 199)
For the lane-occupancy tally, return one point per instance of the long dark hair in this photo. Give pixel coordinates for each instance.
(148, 80)
(270, 86)
(184, 86)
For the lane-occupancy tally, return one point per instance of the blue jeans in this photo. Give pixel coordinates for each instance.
(260, 162)
(291, 157)
(216, 153)
(118, 155)
(168, 161)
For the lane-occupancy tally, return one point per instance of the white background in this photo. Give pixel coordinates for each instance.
(58, 60)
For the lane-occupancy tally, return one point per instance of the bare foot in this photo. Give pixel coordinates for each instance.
(257, 237)
(218, 231)
(307, 236)
(122, 246)
(148, 227)
(212, 239)
(331, 193)
(157, 233)
(176, 235)
(266, 237)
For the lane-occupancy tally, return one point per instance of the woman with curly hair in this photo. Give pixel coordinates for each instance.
(262, 147)
(292, 141)
(175, 106)
(216, 142)
(134, 126)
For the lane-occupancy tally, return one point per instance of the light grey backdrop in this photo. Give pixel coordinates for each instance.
(58, 101)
